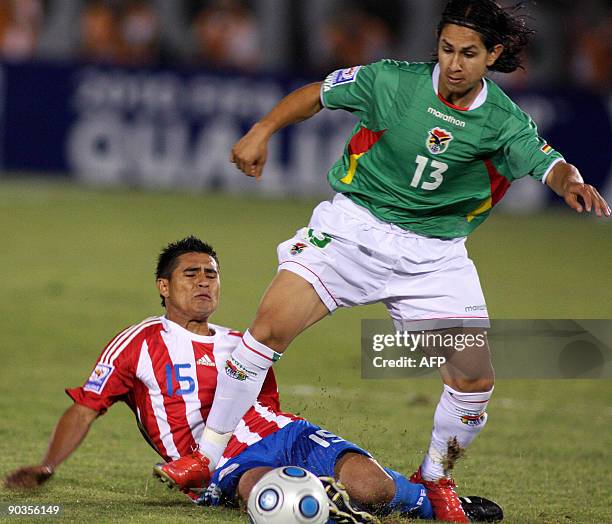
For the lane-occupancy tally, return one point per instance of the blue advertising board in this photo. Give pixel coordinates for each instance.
(175, 128)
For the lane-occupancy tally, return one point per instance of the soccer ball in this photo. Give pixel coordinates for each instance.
(287, 495)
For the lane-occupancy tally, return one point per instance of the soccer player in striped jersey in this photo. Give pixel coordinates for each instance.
(166, 368)
(436, 147)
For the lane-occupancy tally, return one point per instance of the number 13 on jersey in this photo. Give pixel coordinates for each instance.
(436, 173)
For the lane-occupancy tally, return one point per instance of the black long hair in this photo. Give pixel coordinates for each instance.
(495, 25)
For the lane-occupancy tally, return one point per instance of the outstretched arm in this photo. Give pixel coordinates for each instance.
(566, 181)
(68, 434)
(250, 152)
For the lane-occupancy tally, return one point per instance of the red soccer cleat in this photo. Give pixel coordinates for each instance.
(443, 497)
(185, 473)
(193, 495)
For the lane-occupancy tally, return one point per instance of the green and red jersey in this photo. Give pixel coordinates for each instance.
(419, 162)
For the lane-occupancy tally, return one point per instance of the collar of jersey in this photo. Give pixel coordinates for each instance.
(480, 99)
(173, 326)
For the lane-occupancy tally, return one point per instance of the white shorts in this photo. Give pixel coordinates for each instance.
(352, 258)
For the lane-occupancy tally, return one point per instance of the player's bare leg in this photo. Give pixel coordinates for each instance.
(368, 486)
(340, 507)
(289, 306)
(359, 485)
(460, 415)
(248, 480)
(365, 481)
(360, 482)
(379, 490)
(469, 370)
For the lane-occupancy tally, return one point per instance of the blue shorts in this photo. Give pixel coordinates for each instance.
(300, 443)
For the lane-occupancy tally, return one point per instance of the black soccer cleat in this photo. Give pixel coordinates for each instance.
(479, 509)
(341, 510)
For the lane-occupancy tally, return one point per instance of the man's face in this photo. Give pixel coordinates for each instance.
(192, 291)
(463, 60)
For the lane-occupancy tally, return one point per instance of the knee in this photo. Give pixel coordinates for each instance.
(365, 481)
(472, 385)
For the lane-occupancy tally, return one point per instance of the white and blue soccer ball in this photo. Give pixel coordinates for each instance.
(288, 495)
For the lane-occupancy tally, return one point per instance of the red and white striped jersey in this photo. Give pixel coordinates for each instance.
(168, 376)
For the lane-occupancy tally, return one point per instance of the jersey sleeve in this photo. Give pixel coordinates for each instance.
(111, 380)
(368, 91)
(527, 153)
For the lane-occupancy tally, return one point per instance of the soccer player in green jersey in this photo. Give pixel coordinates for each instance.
(436, 147)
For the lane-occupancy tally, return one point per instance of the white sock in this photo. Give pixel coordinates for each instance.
(237, 390)
(458, 415)
(212, 444)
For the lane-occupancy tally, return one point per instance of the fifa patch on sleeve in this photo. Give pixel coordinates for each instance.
(98, 378)
(340, 77)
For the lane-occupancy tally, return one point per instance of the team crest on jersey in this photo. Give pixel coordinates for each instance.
(341, 76)
(473, 420)
(438, 140)
(297, 248)
(98, 378)
(234, 370)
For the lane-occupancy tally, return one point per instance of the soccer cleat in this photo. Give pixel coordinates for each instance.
(443, 497)
(341, 510)
(479, 509)
(185, 473)
(193, 495)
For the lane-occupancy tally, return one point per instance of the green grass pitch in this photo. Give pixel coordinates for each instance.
(78, 267)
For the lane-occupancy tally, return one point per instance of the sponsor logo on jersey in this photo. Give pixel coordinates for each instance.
(446, 118)
(234, 370)
(297, 248)
(481, 307)
(340, 77)
(98, 378)
(546, 149)
(205, 361)
(438, 140)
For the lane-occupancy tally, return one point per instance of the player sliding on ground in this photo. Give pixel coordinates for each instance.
(436, 147)
(166, 368)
